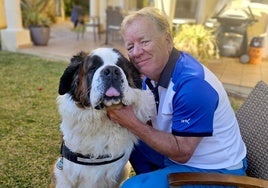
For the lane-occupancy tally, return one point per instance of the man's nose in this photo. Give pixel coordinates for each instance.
(137, 50)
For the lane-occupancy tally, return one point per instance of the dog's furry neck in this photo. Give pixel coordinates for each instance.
(88, 126)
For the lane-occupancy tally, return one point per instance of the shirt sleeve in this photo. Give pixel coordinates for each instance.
(194, 105)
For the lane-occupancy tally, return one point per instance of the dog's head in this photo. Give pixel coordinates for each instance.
(100, 78)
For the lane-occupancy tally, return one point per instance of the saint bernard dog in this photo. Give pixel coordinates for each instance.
(95, 149)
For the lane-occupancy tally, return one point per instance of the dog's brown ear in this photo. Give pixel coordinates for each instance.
(133, 75)
(136, 77)
(68, 75)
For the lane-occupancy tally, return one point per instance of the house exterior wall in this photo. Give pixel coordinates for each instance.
(14, 35)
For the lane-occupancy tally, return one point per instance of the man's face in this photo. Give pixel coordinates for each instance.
(148, 48)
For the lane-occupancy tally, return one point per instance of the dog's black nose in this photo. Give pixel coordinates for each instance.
(112, 72)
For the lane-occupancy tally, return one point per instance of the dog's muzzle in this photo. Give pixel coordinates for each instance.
(113, 85)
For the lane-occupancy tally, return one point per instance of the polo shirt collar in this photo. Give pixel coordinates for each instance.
(168, 70)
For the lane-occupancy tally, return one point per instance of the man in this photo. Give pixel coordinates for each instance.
(195, 129)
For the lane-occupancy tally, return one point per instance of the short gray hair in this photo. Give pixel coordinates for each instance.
(158, 17)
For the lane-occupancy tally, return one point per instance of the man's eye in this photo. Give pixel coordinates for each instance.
(129, 48)
(144, 43)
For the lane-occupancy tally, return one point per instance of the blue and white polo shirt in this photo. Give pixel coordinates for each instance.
(193, 102)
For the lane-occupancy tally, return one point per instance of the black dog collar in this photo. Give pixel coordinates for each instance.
(87, 159)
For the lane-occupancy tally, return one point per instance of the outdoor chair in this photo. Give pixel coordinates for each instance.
(253, 121)
(80, 28)
(94, 22)
(114, 18)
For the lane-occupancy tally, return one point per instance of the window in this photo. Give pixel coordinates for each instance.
(186, 9)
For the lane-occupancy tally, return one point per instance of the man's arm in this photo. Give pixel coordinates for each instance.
(179, 149)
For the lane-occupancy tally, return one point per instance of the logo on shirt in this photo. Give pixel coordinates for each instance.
(187, 121)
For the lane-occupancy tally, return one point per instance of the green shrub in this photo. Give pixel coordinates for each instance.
(197, 40)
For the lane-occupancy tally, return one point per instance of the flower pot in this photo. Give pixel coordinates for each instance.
(40, 35)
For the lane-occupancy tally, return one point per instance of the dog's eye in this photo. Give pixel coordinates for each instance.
(94, 62)
(92, 68)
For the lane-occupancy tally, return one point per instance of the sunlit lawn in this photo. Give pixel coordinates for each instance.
(29, 121)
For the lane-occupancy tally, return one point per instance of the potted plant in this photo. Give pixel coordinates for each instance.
(36, 17)
(197, 40)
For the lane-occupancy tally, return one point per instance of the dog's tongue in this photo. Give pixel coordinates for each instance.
(112, 92)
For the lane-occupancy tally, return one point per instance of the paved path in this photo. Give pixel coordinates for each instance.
(237, 78)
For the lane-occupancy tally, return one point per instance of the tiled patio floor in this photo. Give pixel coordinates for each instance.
(237, 77)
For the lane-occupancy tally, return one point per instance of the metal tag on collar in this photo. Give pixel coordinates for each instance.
(59, 164)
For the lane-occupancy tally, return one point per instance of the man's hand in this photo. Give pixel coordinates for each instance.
(124, 115)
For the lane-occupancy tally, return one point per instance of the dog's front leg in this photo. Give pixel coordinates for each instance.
(61, 179)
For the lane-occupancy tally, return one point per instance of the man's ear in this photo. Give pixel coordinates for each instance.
(169, 40)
